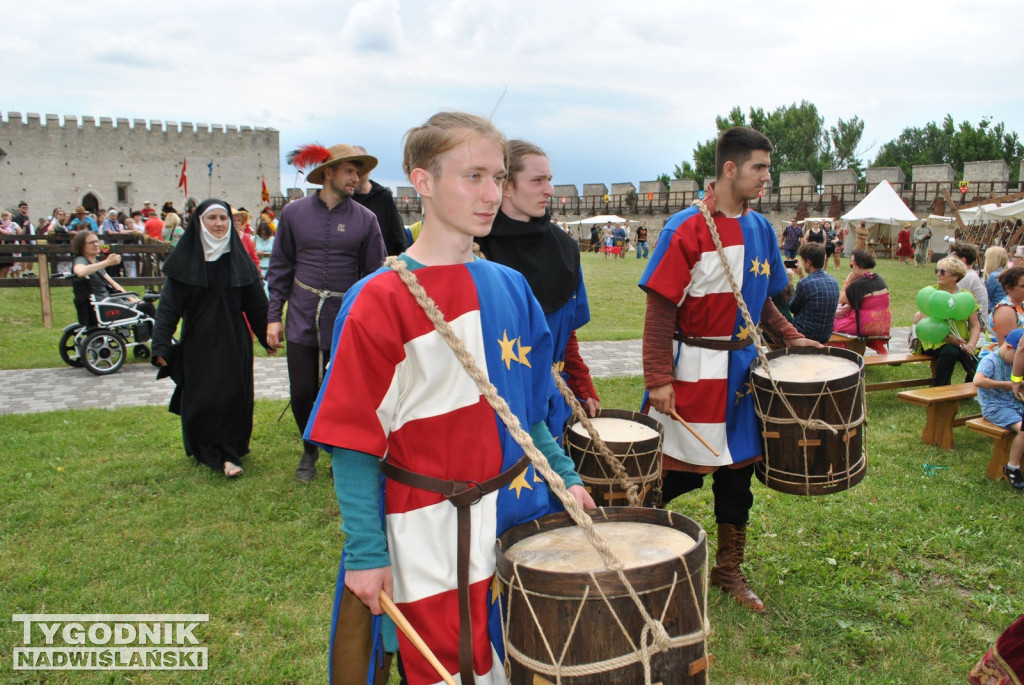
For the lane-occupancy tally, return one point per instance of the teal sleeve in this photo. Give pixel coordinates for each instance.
(556, 456)
(357, 485)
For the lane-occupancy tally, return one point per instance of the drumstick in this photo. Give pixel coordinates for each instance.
(697, 435)
(403, 624)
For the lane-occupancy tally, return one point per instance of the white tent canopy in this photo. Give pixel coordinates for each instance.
(994, 212)
(882, 211)
(600, 219)
(881, 206)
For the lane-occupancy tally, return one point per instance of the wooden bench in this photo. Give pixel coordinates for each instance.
(941, 404)
(1001, 450)
(855, 344)
(875, 360)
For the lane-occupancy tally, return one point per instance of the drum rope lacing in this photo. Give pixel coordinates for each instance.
(749, 321)
(660, 640)
(633, 495)
(641, 654)
(854, 419)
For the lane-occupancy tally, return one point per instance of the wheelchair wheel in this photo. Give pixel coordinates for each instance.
(104, 351)
(141, 351)
(68, 349)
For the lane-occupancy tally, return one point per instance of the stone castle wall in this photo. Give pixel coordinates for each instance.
(53, 163)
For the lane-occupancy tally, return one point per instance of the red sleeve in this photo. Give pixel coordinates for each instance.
(659, 328)
(250, 248)
(576, 369)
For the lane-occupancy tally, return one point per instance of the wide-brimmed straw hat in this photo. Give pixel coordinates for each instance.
(342, 153)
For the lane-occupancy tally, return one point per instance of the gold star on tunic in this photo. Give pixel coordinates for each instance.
(507, 350)
(523, 350)
(744, 390)
(519, 483)
(497, 588)
(743, 334)
(766, 268)
(755, 266)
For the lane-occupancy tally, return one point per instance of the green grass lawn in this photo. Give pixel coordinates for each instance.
(906, 578)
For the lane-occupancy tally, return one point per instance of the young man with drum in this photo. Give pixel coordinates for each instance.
(697, 346)
(410, 398)
(524, 238)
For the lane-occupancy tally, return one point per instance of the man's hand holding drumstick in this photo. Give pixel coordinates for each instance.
(367, 584)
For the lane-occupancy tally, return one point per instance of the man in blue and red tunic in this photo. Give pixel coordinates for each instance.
(409, 410)
(697, 347)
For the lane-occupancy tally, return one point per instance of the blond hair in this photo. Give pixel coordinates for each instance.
(172, 220)
(425, 145)
(953, 266)
(995, 259)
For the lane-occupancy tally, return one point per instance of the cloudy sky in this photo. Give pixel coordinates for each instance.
(614, 91)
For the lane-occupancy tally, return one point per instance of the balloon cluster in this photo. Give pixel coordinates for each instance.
(939, 307)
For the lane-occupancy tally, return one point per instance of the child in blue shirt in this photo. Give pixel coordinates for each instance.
(998, 405)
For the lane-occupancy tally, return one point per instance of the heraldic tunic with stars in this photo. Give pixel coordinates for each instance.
(712, 387)
(395, 389)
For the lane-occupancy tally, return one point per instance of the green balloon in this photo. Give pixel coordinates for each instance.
(940, 305)
(963, 305)
(922, 298)
(931, 330)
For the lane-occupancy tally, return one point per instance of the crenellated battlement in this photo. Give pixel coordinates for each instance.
(52, 123)
(65, 160)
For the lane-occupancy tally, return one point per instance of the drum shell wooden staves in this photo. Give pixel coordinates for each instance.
(640, 458)
(824, 462)
(556, 597)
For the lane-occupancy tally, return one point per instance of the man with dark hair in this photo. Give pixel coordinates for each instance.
(816, 297)
(380, 201)
(697, 347)
(972, 283)
(324, 244)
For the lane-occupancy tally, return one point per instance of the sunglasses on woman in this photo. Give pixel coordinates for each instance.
(941, 272)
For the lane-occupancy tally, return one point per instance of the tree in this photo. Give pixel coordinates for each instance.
(845, 137)
(664, 179)
(798, 133)
(949, 143)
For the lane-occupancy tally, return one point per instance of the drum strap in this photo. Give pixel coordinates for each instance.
(462, 495)
(709, 344)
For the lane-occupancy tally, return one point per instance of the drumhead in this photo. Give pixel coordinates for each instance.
(567, 550)
(616, 430)
(808, 368)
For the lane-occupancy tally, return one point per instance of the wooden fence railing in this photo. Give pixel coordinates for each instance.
(48, 258)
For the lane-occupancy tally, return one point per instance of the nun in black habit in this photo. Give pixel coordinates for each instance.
(211, 283)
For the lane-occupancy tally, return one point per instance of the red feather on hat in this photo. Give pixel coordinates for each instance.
(307, 156)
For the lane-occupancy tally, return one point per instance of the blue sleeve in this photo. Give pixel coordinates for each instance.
(556, 456)
(357, 486)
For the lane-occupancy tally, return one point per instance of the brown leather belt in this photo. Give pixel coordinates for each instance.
(715, 344)
(462, 494)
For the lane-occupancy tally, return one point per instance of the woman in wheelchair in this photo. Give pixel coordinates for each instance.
(85, 248)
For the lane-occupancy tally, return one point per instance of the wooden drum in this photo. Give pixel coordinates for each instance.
(635, 439)
(824, 384)
(567, 617)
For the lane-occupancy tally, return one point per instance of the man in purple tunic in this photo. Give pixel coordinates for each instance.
(325, 243)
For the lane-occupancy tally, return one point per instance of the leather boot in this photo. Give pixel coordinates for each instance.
(726, 574)
(306, 470)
